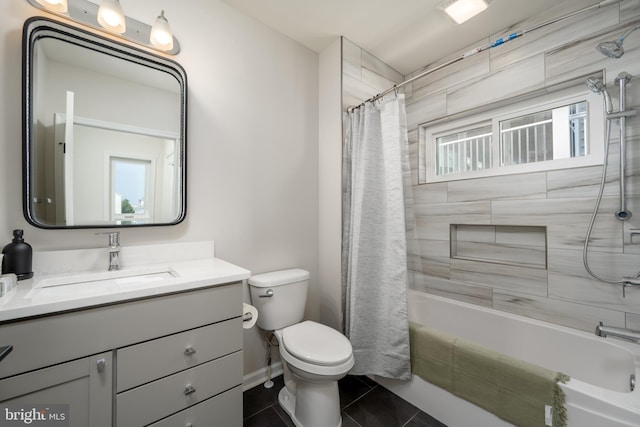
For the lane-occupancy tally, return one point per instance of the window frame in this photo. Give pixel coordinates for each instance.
(594, 135)
(150, 183)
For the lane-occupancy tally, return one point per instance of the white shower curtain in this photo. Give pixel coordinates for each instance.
(376, 179)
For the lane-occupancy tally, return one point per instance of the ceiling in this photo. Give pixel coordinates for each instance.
(406, 34)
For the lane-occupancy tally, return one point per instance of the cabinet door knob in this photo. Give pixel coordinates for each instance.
(101, 364)
(189, 390)
(189, 351)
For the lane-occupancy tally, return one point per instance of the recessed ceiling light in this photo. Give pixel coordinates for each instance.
(462, 10)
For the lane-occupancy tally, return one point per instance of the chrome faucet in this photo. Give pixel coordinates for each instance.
(114, 250)
(626, 334)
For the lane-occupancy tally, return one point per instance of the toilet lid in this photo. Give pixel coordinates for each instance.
(316, 343)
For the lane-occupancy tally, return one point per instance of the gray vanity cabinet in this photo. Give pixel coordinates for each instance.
(167, 360)
(164, 376)
(84, 384)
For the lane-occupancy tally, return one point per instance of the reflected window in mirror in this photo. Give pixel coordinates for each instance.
(132, 183)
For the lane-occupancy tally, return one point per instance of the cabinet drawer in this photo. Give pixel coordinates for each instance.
(100, 329)
(222, 410)
(151, 360)
(150, 402)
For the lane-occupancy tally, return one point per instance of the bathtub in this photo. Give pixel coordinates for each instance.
(598, 394)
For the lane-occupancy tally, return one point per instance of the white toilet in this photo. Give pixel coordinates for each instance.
(314, 356)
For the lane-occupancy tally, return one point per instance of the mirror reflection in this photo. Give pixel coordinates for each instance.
(105, 132)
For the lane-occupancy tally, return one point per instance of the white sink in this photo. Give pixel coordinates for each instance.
(95, 283)
(144, 274)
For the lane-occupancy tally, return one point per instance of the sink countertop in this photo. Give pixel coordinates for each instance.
(30, 299)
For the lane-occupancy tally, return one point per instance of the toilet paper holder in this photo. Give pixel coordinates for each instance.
(249, 316)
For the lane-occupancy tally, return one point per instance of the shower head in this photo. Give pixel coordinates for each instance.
(614, 49)
(597, 86)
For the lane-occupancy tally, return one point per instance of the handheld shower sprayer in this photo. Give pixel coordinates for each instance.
(597, 86)
(614, 49)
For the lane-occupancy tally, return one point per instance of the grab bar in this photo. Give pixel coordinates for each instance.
(627, 334)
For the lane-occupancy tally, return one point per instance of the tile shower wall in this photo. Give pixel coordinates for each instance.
(561, 201)
(363, 75)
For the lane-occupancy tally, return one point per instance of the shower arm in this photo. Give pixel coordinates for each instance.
(629, 31)
(488, 46)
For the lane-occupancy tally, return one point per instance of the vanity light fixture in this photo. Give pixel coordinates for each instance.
(55, 5)
(111, 17)
(161, 36)
(107, 15)
(462, 10)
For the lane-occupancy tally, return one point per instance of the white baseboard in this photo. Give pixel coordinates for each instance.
(260, 376)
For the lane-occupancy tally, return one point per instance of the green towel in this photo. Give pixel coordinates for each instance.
(512, 389)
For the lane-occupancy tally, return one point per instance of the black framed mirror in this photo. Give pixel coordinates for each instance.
(104, 131)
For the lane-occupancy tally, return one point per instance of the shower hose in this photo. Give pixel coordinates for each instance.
(585, 250)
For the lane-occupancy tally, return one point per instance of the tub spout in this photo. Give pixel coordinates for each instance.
(626, 334)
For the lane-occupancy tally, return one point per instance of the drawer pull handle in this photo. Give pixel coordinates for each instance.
(189, 351)
(189, 390)
(5, 350)
(101, 364)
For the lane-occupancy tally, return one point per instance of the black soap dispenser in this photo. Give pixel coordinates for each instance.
(18, 256)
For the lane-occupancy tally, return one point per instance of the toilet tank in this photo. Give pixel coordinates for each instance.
(288, 296)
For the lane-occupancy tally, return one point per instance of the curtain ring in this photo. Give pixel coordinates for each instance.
(395, 90)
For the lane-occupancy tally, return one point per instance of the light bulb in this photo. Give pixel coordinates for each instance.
(111, 17)
(59, 6)
(161, 36)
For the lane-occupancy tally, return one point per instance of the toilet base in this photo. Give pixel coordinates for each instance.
(323, 410)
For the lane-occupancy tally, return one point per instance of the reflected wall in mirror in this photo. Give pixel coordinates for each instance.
(104, 131)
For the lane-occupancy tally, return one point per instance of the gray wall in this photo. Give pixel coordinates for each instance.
(561, 201)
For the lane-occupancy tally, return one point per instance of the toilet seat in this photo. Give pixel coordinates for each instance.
(316, 362)
(317, 344)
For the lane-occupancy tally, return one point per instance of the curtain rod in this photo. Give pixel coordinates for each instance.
(479, 49)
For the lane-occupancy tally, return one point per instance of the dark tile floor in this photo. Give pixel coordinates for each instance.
(363, 403)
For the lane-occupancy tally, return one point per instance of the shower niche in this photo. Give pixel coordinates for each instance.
(522, 246)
